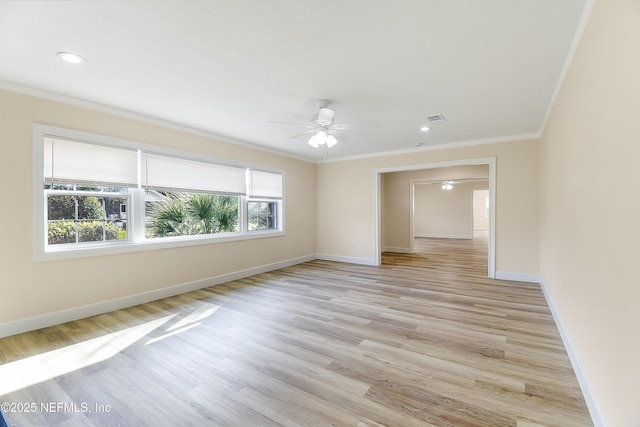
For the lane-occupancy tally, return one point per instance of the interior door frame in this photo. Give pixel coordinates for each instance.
(490, 161)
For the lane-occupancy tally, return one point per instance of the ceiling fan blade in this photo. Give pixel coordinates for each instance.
(306, 125)
(301, 134)
(341, 135)
(323, 122)
(354, 126)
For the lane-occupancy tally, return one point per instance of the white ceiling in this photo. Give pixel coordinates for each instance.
(229, 67)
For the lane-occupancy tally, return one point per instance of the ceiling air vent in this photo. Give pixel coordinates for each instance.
(436, 118)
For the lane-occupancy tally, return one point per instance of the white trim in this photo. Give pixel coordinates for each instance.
(377, 231)
(107, 109)
(434, 165)
(436, 147)
(396, 250)
(582, 24)
(444, 236)
(58, 317)
(516, 276)
(597, 416)
(102, 108)
(492, 217)
(39, 206)
(491, 161)
(346, 259)
(43, 252)
(85, 251)
(412, 213)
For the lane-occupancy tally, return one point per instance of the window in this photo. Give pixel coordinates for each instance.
(78, 214)
(96, 195)
(188, 198)
(170, 214)
(262, 215)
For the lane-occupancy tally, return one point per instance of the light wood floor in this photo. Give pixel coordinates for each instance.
(424, 339)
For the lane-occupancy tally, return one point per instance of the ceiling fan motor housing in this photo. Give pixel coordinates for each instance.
(325, 115)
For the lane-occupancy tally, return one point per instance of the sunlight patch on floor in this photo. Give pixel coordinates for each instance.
(197, 315)
(42, 367)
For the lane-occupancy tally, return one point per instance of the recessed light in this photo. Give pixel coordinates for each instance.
(71, 58)
(418, 144)
(424, 128)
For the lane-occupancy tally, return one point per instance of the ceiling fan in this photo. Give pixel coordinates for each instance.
(321, 126)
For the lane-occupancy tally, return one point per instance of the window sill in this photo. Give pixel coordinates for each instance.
(89, 250)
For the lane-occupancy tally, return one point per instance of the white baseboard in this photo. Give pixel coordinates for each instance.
(55, 318)
(396, 250)
(347, 259)
(58, 317)
(585, 387)
(443, 236)
(516, 276)
(587, 391)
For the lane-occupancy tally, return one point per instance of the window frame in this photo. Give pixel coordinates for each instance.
(85, 193)
(268, 201)
(136, 215)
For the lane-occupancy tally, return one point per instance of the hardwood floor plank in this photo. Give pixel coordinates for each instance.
(426, 339)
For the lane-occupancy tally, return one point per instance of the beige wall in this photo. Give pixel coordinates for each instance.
(31, 289)
(439, 213)
(395, 205)
(346, 202)
(590, 208)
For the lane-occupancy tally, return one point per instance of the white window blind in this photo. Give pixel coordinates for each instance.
(172, 173)
(265, 184)
(80, 162)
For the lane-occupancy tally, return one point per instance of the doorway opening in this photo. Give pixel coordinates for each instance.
(397, 229)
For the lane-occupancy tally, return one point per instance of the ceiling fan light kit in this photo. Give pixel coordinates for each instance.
(322, 137)
(322, 127)
(318, 139)
(322, 121)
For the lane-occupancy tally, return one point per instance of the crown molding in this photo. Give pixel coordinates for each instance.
(102, 108)
(436, 147)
